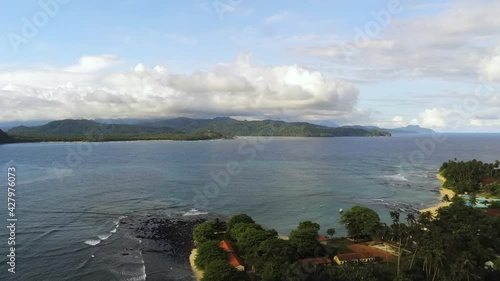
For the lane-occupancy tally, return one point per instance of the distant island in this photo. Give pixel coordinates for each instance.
(177, 129)
(410, 129)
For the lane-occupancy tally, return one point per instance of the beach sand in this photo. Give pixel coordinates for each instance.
(197, 273)
(443, 192)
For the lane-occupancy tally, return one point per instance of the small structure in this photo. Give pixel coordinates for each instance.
(232, 257)
(353, 258)
(493, 212)
(316, 261)
(323, 239)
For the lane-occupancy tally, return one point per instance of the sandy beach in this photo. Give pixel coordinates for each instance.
(442, 192)
(197, 273)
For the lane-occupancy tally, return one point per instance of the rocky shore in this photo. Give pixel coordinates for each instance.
(166, 243)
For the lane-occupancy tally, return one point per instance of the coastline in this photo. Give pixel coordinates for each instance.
(442, 192)
(198, 274)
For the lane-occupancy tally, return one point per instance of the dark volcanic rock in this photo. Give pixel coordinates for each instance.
(166, 243)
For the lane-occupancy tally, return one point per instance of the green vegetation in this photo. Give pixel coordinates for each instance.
(472, 176)
(453, 245)
(220, 270)
(176, 129)
(361, 221)
(331, 231)
(86, 130)
(4, 138)
(231, 127)
(304, 239)
(208, 252)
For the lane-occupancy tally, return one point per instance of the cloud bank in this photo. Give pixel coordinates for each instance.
(92, 89)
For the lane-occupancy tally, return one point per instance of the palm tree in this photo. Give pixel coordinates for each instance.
(473, 199)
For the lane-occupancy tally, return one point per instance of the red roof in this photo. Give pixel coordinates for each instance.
(316, 261)
(323, 238)
(233, 259)
(352, 256)
(488, 180)
(226, 246)
(493, 212)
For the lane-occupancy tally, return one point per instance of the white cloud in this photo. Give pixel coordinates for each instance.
(280, 17)
(490, 66)
(436, 118)
(232, 89)
(450, 41)
(139, 68)
(93, 63)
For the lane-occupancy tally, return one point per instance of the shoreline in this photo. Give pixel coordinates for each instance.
(442, 192)
(198, 274)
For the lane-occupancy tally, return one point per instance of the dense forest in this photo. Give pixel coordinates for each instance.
(472, 176)
(178, 129)
(86, 130)
(459, 243)
(231, 127)
(4, 138)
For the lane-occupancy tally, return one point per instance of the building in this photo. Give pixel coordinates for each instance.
(493, 212)
(232, 257)
(323, 240)
(316, 261)
(353, 258)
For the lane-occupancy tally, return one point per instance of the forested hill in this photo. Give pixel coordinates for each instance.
(87, 130)
(179, 129)
(231, 127)
(4, 138)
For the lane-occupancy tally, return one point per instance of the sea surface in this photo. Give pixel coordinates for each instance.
(71, 198)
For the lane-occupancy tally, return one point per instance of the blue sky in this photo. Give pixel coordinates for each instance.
(387, 63)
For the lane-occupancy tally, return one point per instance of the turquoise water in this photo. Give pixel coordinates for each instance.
(71, 196)
(480, 201)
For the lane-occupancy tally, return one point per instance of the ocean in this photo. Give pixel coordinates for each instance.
(73, 200)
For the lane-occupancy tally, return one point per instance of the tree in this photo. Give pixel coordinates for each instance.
(410, 218)
(208, 252)
(331, 231)
(308, 225)
(240, 228)
(361, 221)
(272, 257)
(250, 239)
(236, 219)
(446, 198)
(220, 270)
(473, 199)
(305, 241)
(205, 232)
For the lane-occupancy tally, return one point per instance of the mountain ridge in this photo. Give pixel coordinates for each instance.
(82, 129)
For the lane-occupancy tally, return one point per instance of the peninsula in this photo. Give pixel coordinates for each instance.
(177, 129)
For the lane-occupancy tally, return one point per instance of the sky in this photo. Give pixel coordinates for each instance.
(388, 63)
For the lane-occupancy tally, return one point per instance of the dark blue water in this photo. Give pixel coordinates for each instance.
(71, 197)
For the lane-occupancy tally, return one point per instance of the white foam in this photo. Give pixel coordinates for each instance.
(194, 212)
(113, 230)
(104, 236)
(399, 177)
(131, 275)
(92, 242)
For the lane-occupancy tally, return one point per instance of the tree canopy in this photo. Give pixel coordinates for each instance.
(361, 221)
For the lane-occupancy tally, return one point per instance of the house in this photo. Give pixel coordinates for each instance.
(232, 257)
(353, 258)
(493, 212)
(316, 261)
(323, 239)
